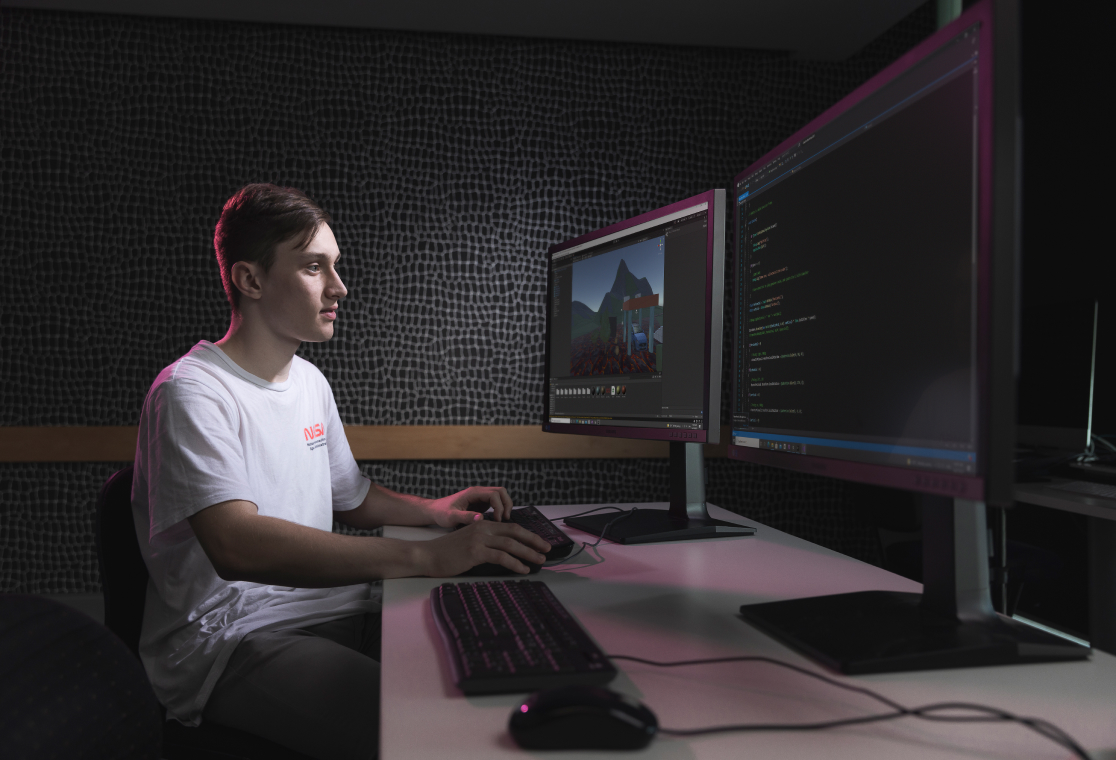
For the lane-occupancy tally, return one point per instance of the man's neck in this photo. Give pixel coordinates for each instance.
(257, 350)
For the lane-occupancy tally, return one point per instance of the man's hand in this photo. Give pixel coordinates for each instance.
(499, 543)
(466, 506)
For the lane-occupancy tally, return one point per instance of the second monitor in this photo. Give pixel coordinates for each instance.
(622, 362)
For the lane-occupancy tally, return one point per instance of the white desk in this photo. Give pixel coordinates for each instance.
(680, 600)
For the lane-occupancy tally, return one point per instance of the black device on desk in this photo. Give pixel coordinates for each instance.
(539, 524)
(645, 526)
(1100, 470)
(511, 636)
(582, 717)
(874, 337)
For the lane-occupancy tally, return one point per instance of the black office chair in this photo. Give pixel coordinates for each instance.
(69, 688)
(124, 582)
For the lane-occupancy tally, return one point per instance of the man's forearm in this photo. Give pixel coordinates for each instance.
(385, 507)
(246, 546)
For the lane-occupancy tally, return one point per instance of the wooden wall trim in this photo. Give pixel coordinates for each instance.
(368, 442)
(68, 444)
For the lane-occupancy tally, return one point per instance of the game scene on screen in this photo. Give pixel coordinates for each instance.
(616, 321)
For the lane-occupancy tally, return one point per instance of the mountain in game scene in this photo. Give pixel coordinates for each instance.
(583, 311)
(613, 341)
(625, 284)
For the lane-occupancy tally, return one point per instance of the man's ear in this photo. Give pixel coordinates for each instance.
(247, 278)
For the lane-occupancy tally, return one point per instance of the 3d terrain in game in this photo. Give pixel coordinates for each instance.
(612, 339)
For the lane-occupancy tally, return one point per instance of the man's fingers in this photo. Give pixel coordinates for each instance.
(520, 534)
(500, 501)
(497, 505)
(503, 543)
(513, 564)
(516, 549)
(491, 497)
(532, 539)
(509, 561)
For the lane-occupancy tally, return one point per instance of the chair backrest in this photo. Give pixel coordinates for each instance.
(124, 582)
(123, 572)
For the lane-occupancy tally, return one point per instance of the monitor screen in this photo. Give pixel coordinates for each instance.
(875, 264)
(634, 326)
(858, 308)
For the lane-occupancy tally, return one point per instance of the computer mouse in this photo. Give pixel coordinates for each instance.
(582, 717)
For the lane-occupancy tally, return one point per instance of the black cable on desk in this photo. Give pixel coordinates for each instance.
(984, 714)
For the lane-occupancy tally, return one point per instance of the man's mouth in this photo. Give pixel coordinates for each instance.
(329, 313)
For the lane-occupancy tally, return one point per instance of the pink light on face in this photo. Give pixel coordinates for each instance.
(523, 708)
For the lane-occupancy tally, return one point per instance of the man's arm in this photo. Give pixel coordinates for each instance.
(384, 507)
(246, 546)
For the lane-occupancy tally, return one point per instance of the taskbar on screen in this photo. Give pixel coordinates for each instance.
(961, 461)
(637, 423)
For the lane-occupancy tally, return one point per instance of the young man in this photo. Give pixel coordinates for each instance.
(257, 615)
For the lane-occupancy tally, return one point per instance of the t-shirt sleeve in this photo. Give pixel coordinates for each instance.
(348, 484)
(194, 457)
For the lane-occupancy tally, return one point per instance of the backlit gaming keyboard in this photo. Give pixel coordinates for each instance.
(538, 523)
(513, 636)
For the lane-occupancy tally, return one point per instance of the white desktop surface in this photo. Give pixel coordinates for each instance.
(680, 600)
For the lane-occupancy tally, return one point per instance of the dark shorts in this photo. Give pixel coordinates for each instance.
(315, 690)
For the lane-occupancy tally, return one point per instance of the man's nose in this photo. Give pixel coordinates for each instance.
(337, 288)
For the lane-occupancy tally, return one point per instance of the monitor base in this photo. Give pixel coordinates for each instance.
(889, 631)
(646, 526)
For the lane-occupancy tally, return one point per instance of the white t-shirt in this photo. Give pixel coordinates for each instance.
(211, 432)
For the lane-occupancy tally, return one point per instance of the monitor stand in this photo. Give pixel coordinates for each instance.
(686, 519)
(951, 624)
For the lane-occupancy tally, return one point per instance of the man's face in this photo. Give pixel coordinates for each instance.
(301, 291)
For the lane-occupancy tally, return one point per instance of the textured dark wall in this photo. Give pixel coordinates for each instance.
(449, 163)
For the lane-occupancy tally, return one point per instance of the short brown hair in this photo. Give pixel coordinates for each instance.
(255, 220)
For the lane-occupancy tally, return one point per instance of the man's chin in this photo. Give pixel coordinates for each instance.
(323, 334)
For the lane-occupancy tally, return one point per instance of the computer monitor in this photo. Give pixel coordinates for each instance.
(633, 350)
(873, 337)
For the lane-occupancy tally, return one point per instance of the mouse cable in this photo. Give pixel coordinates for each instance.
(624, 513)
(984, 714)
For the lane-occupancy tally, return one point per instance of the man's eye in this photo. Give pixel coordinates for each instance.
(314, 268)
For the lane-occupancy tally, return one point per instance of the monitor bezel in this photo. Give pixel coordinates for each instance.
(925, 481)
(714, 317)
